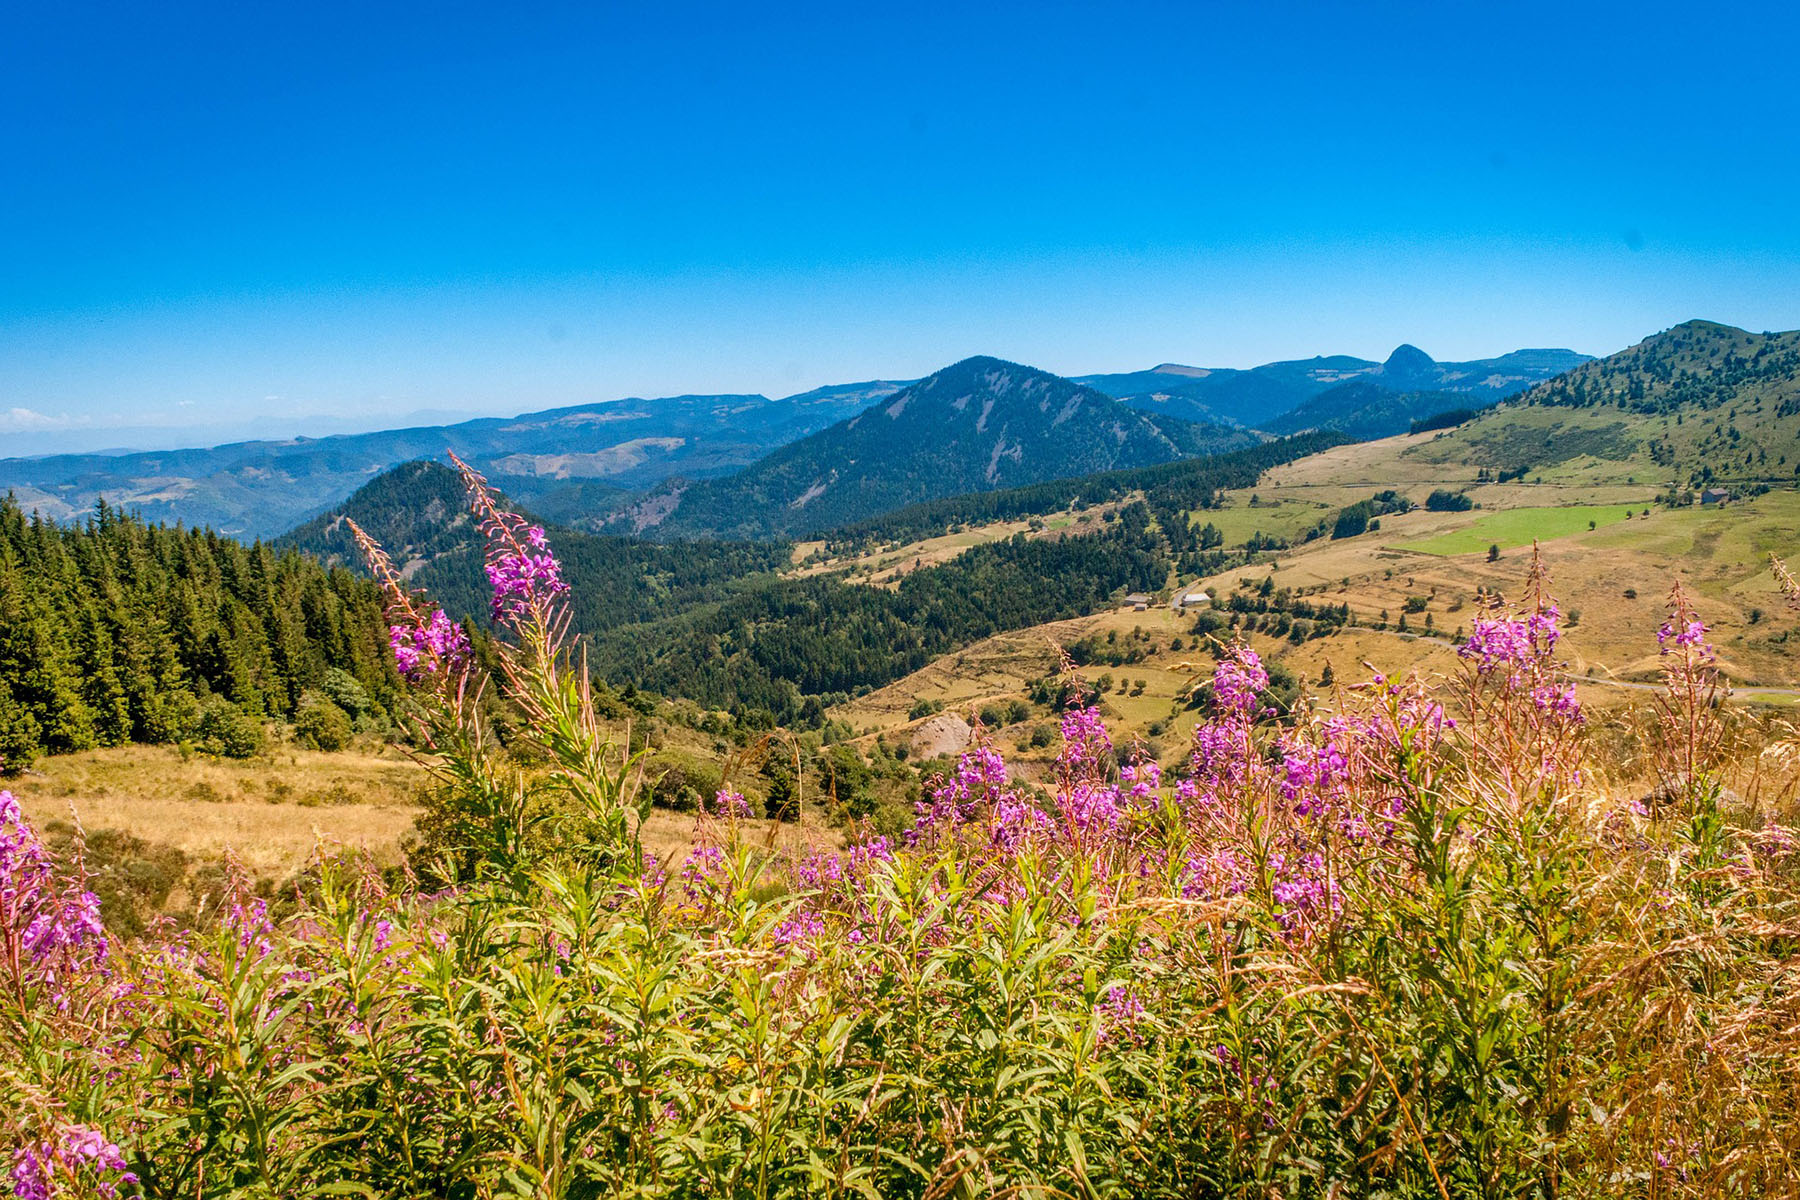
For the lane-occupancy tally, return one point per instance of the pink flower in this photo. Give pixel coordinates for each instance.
(728, 803)
(1237, 680)
(80, 1155)
(1120, 1014)
(1690, 636)
(52, 926)
(439, 644)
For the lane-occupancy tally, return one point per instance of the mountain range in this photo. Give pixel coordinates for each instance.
(979, 425)
(1256, 397)
(561, 461)
(652, 458)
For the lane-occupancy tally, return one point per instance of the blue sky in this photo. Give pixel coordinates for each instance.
(309, 216)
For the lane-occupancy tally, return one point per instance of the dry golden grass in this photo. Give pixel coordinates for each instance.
(271, 814)
(1720, 554)
(885, 566)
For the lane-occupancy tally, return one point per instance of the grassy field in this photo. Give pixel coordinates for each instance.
(1611, 579)
(1516, 527)
(269, 815)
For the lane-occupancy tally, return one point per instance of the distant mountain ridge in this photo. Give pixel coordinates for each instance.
(562, 461)
(1257, 397)
(579, 464)
(978, 425)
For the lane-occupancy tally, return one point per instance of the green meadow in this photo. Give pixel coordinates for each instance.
(1522, 526)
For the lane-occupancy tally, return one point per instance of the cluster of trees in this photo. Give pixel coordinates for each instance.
(1443, 420)
(1443, 500)
(1362, 516)
(1278, 612)
(115, 631)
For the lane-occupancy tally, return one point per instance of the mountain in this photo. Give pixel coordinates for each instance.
(1365, 410)
(1258, 396)
(564, 462)
(578, 464)
(417, 511)
(979, 425)
(1698, 404)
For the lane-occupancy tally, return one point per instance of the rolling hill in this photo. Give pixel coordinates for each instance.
(979, 425)
(1696, 405)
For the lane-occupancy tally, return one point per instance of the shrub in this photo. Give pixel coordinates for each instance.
(343, 690)
(322, 725)
(1351, 521)
(227, 731)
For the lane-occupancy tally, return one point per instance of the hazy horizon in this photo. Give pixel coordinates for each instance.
(228, 219)
(25, 441)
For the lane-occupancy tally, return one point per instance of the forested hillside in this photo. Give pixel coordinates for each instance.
(784, 650)
(114, 631)
(418, 513)
(979, 425)
(714, 622)
(1170, 489)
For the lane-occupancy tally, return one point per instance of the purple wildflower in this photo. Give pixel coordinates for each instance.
(978, 783)
(1557, 701)
(1501, 646)
(525, 577)
(79, 1155)
(1691, 635)
(51, 930)
(1120, 1013)
(1237, 680)
(728, 803)
(799, 929)
(437, 643)
(1086, 746)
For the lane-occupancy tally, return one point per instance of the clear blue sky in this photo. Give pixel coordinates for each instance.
(298, 211)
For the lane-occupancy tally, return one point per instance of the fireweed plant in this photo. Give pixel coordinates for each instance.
(1410, 942)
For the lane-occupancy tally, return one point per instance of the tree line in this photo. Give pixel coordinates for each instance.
(113, 630)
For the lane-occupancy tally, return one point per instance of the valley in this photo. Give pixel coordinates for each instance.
(998, 614)
(890, 633)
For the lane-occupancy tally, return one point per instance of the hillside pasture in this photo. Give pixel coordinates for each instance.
(1516, 527)
(885, 565)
